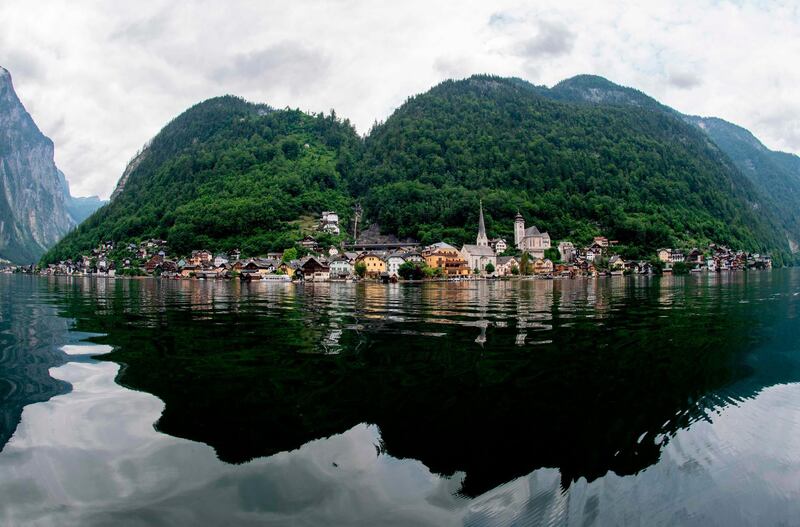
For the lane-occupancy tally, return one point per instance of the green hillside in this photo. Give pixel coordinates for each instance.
(633, 173)
(227, 173)
(774, 175)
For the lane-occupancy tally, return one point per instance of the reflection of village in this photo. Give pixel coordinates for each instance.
(531, 255)
(337, 316)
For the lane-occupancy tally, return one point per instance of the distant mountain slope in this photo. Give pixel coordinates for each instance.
(637, 175)
(775, 175)
(226, 174)
(33, 208)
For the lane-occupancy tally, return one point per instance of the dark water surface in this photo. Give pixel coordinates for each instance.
(624, 401)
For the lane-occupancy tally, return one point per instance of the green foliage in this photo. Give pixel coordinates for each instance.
(412, 271)
(552, 254)
(290, 254)
(680, 268)
(489, 268)
(229, 174)
(525, 264)
(360, 269)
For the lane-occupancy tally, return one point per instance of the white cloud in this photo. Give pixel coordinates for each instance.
(102, 78)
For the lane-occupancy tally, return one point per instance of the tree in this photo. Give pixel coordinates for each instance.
(680, 268)
(524, 264)
(552, 254)
(489, 268)
(360, 269)
(514, 270)
(289, 255)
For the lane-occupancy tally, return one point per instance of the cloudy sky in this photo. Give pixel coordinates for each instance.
(101, 78)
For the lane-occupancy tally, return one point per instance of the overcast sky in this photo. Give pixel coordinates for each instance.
(101, 78)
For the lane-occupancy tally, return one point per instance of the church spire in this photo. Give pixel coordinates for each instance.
(482, 239)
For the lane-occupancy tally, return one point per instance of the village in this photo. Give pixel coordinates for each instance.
(531, 256)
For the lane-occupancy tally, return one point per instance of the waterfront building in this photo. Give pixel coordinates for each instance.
(530, 240)
(480, 255)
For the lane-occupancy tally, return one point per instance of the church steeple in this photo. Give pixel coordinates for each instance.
(482, 239)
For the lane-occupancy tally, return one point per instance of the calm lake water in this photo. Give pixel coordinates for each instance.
(618, 401)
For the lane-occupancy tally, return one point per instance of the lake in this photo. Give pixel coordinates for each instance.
(614, 401)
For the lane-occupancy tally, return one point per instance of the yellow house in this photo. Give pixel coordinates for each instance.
(374, 262)
(542, 266)
(447, 258)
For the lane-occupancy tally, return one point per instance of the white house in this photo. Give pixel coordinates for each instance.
(341, 267)
(393, 263)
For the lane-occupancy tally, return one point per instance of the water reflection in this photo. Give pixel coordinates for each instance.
(492, 379)
(544, 402)
(30, 334)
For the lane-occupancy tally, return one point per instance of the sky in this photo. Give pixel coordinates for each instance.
(102, 78)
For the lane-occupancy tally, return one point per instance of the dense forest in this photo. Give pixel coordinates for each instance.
(228, 174)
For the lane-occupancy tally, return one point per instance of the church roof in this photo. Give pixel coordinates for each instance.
(478, 250)
(481, 226)
(532, 231)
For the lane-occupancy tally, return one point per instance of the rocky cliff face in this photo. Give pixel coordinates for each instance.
(33, 205)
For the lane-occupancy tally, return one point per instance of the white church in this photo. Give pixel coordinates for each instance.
(530, 240)
(481, 254)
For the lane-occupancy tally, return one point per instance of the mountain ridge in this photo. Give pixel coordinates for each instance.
(576, 166)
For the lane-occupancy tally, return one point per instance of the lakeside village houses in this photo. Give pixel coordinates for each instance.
(385, 261)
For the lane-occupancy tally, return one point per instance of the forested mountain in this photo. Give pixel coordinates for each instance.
(775, 175)
(629, 172)
(228, 173)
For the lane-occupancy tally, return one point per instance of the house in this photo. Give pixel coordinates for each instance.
(506, 264)
(530, 240)
(393, 263)
(374, 262)
(565, 269)
(616, 263)
(154, 262)
(329, 222)
(220, 259)
(308, 242)
(332, 251)
(341, 268)
(695, 257)
(315, 270)
(202, 257)
(542, 266)
(289, 268)
(444, 256)
(189, 270)
(602, 241)
(414, 257)
(566, 251)
(498, 245)
(480, 255)
(260, 267)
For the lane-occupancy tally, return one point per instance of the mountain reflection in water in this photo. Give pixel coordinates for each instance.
(572, 384)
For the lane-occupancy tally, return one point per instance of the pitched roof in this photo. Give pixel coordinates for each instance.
(478, 250)
(532, 231)
(442, 245)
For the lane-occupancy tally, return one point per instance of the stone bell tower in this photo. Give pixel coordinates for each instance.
(519, 230)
